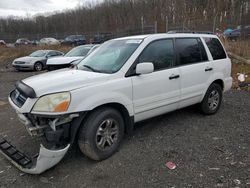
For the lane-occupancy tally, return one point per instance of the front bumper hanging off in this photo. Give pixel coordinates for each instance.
(44, 161)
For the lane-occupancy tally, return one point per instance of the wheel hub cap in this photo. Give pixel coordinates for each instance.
(107, 134)
(213, 100)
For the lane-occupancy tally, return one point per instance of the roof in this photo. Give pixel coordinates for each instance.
(47, 50)
(172, 35)
(86, 45)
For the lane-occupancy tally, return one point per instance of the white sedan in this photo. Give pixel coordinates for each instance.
(35, 61)
(49, 41)
(73, 57)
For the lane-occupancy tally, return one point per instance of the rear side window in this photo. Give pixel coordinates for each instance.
(160, 53)
(190, 50)
(215, 48)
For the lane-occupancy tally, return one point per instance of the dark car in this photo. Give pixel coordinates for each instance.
(234, 34)
(22, 41)
(74, 40)
(243, 32)
(102, 37)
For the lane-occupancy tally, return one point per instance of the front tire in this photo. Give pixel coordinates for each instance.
(101, 134)
(38, 66)
(212, 100)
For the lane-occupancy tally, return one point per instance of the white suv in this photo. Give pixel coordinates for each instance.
(126, 80)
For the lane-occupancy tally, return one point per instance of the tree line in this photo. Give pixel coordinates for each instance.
(129, 15)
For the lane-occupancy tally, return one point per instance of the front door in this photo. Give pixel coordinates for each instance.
(158, 92)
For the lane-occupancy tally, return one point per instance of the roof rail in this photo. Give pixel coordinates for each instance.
(194, 32)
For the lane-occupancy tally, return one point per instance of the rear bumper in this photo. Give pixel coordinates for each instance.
(45, 160)
(228, 83)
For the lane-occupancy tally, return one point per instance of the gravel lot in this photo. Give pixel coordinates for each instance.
(209, 151)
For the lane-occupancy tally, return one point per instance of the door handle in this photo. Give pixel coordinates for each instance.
(208, 69)
(174, 77)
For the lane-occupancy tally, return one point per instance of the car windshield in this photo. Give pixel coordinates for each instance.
(110, 56)
(39, 53)
(78, 51)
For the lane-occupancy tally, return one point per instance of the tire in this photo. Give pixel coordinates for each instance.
(38, 66)
(95, 135)
(212, 100)
(51, 68)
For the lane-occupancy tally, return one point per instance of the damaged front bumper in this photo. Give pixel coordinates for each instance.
(45, 160)
(59, 133)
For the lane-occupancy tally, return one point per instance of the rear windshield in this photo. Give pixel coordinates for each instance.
(215, 48)
(78, 51)
(39, 53)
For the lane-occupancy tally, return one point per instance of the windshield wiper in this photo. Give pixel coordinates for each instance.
(90, 68)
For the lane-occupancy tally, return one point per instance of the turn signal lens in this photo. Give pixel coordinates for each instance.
(62, 107)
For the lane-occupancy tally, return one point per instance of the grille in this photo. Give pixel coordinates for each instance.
(18, 98)
(19, 62)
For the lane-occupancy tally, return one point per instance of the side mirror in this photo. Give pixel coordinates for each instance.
(144, 68)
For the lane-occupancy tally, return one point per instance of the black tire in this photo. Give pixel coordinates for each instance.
(93, 133)
(212, 100)
(38, 66)
(51, 68)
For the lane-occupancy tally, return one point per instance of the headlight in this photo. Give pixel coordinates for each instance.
(58, 102)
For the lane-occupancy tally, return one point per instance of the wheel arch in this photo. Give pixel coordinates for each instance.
(220, 82)
(128, 120)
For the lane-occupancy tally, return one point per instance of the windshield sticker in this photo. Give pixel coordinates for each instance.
(133, 41)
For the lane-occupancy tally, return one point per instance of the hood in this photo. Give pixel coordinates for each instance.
(62, 60)
(63, 80)
(29, 59)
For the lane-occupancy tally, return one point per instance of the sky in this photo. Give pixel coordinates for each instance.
(29, 8)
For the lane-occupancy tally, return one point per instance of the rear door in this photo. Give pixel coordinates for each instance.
(221, 63)
(195, 69)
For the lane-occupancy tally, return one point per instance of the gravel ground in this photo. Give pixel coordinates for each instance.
(209, 151)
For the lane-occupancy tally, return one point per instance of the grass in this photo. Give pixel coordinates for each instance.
(239, 47)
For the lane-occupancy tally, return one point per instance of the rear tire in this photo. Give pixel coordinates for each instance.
(51, 68)
(212, 100)
(101, 134)
(38, 66)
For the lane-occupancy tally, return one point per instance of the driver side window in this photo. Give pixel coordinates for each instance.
(52, 54)
(160, 53)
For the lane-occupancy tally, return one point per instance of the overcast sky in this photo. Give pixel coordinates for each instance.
(28, 8)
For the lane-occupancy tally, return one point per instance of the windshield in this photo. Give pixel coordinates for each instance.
(39, 53)
(78, 51)
(110, 56)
